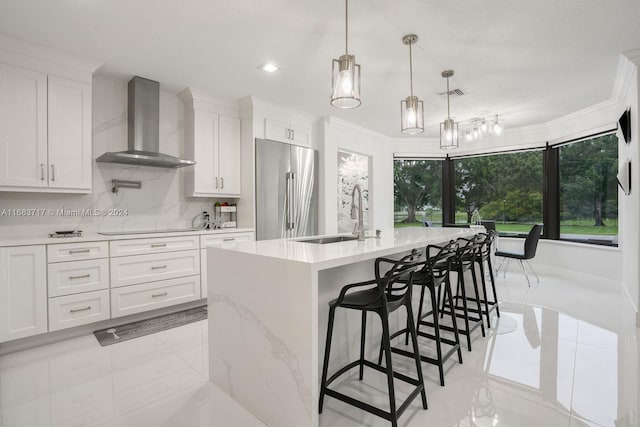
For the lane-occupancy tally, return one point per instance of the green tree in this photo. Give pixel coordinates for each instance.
(417, 184)
(494, 183)
(588, 179)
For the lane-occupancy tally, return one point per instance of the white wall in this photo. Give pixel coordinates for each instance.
(339, 135)
(160, 203)
(630, 205)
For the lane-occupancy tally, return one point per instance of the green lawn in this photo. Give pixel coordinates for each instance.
(566, 227)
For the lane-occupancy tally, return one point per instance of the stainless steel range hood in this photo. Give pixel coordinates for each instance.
(144, 127)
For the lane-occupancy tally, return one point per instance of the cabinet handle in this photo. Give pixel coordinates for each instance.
(83, 276)
(75, 310)
(158, 245)
(162, 294)
(53, 172)
(293, 134)
(221, 183)
(158, 267)
(288, 133)
(79, 251)
(216, 182)
(230, 239)
(41, 171)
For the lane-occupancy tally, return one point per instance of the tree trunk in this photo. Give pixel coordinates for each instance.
(597, 212)
(411, 215)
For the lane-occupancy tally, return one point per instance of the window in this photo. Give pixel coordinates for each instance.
(588, 190)
(417, 192)
(505, 188)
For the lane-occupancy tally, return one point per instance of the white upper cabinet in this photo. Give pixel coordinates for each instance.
(212, 139)
(69, 114)
(45, 119)
(284, 129)
(23, 128)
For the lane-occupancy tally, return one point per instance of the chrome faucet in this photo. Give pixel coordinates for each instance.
(358, 229)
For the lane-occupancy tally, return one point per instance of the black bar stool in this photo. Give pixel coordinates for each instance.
(464, 261)
(434, 274)
(484, 255)
(391, 291)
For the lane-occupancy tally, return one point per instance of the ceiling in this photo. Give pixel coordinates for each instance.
(528, 60)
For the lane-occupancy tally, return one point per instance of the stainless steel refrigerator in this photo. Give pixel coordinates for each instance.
(286, 190)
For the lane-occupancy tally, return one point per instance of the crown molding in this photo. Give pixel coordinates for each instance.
(26, 52)
(633, 56)
(345, 125)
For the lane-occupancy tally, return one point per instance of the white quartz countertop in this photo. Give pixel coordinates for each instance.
(323, 256)
(94, 237)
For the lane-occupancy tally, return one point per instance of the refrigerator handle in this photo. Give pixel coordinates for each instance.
(293, 201)
(287, 201)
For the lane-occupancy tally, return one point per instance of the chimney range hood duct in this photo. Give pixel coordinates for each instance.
(143, 128)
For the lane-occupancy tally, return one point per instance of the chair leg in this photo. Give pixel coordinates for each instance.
(362, 337)
(508, 260)
(525, 273)
(325, 363)
(416, 354)
(534, 272)
(386, 343)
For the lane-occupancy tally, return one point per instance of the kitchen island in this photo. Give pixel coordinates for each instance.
(268, 312)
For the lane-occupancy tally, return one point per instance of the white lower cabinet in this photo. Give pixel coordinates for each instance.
(217, 240)
(23, 292)
(149, 296)
(78, 309)
(67, 278)
(131, 270)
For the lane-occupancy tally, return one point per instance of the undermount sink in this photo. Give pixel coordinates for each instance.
(329, 239)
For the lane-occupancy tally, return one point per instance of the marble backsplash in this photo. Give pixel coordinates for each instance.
(159, 204)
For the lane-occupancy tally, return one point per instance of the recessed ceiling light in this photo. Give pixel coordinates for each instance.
(269, 67)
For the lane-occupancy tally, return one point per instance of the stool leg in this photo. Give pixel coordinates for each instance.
(484, 291)
(362, 336)
(325, 363)
(464, 308)
(386, 343)
(493, 285)
(420, 310)
(454, 322)
(436, 329)
(474, 277)
(416, 355)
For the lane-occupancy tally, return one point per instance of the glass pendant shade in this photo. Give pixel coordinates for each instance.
(412, 115)
(449, 134)
(345, 82)
(448, 128)
(497, 129)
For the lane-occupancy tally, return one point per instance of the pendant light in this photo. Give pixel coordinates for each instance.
(345, 74)
(411, 109)
(448, 128)
(497, 129)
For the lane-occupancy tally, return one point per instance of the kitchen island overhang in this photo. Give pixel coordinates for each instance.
(268, 308)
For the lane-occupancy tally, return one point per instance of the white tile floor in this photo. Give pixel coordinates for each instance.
(572, 360)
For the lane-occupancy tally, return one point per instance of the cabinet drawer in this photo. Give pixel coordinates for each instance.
(221, 239)
(154, 245)
(137, 269)
(66, 278)
(149, 296)
(80, 309)
(77, 251)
